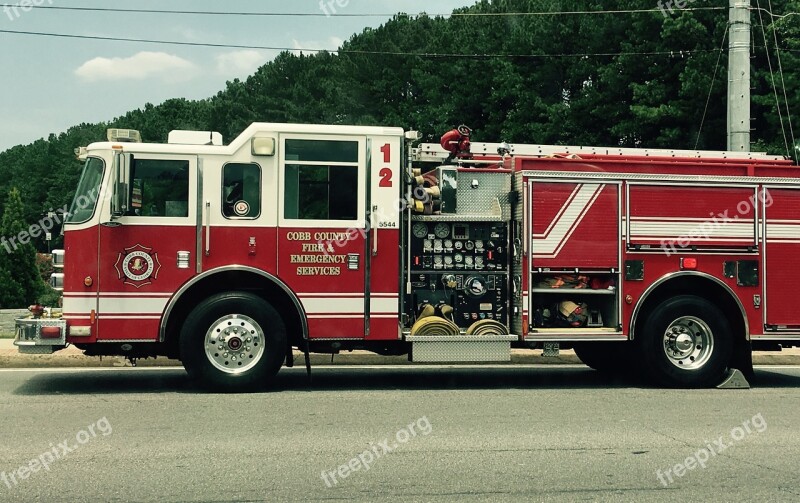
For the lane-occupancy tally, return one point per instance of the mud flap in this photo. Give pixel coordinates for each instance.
(742, 359)
(307, 353)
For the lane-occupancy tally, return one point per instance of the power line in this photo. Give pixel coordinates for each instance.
(671, 53)
(324, 13)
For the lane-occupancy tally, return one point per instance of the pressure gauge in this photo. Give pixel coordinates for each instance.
(469, 246)
(437, 262)
(438, 246)
(459, 258)
(442, 230)
(479, 245)
(475, 287)
(459, 245)
(479, 262)
(428, 245)
(448, 245)
(448, 261)
(469, 262)
(420, 230)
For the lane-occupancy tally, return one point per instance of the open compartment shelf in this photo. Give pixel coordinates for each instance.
(564, 301)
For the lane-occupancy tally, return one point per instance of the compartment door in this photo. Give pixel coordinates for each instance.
(782, 249)
(575, 225)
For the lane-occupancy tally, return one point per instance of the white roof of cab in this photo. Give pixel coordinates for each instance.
(256, 129)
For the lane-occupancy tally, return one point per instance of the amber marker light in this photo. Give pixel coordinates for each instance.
(88, 281)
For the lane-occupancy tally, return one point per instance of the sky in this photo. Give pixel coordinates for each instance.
(49, 84)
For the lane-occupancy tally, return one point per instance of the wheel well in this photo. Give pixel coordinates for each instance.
(700, 286)
(241, 281)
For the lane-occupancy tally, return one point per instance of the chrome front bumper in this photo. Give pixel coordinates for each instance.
(40, 336)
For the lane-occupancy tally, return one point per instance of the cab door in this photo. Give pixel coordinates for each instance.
(322, 235)
(148, 250)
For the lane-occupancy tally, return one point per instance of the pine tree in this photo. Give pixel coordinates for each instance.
(20, 283)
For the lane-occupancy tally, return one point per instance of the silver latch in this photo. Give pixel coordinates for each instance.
(183, 259)
(551, 349)
(757, 301)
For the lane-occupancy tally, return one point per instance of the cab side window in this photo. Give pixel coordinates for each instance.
(321, 180)
(160, 188)
(241, 191)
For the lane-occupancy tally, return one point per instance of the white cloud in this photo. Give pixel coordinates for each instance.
(241, 63)
(141, 66)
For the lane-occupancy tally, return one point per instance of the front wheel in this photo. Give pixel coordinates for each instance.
(686, 343)
(233, 341)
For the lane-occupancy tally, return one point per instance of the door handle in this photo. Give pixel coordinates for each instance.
(208, 228)
(374, 233)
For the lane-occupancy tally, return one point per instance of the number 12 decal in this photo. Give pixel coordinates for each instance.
(386, 178)
(386, 173)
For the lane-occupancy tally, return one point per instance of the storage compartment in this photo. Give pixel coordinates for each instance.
(574, 301)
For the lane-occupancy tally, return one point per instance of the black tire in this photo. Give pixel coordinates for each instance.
(607, 357)
(233, 342)
(698, 348)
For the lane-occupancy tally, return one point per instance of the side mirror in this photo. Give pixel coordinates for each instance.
(121, 199)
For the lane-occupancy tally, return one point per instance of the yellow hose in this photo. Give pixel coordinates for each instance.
(433, 325)
(487, 327)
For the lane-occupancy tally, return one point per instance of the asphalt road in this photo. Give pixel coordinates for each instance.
(426, 434)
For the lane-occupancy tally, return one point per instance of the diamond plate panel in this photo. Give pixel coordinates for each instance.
(36, 350)
(461, 349)
(28, 332)
(482, 200)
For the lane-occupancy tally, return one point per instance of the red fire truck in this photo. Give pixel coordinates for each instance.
(336, 238)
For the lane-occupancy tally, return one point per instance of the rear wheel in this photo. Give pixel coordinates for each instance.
(686, 342)
(233, 341)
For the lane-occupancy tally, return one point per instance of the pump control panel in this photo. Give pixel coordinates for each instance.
(444, 246)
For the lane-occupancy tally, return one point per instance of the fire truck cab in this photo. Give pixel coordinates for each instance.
(337, 238)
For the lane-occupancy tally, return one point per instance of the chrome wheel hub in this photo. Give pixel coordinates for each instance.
(688, 343)
(234, 344)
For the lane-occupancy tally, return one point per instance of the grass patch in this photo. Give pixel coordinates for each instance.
(6, 336)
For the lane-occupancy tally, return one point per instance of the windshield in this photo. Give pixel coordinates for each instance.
(86, 197)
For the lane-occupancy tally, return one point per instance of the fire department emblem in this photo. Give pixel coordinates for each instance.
(242, 208)
(137, 265)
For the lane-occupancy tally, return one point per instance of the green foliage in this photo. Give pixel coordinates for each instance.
(49, 297)
(644, 80)
(20, 280)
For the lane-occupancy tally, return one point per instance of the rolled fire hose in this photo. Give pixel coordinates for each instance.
(447, 312)
(427, 311)
(433, 326)
(487, 327)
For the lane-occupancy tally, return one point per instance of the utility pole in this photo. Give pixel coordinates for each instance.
(739, 76)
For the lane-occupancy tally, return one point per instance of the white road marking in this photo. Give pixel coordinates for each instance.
(301, 368)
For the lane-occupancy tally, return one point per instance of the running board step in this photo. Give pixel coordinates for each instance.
(461, 349)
